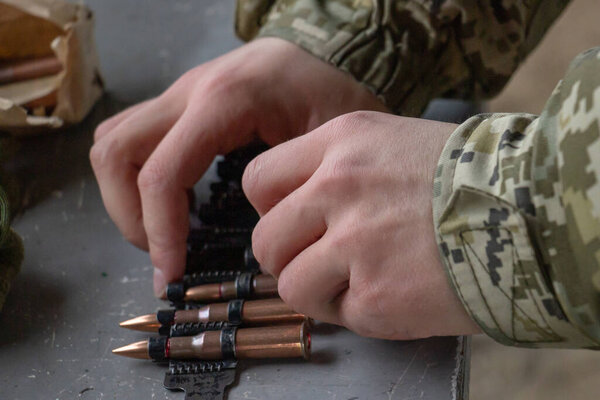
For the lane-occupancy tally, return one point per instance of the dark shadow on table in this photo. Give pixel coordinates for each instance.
(323, 328)
(31, 303)
(36, 166)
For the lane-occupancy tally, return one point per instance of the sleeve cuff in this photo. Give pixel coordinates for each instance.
(487, 245)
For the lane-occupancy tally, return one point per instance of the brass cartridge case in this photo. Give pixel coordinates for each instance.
(287, 341)
(212, 312)
(265, 311)
(262, 286)
(270, 311)
(205, 346)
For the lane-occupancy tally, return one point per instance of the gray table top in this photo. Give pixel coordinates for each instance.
(80, 278)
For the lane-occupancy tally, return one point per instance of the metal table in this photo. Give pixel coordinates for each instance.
(80, 278)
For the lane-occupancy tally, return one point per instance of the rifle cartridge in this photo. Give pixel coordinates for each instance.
(260, 286)
(283, 341)
(252, 312)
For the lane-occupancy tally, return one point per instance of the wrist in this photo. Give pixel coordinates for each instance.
(320, 88)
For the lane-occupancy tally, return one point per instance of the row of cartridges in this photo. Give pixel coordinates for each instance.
(224, 308)
(239, 328)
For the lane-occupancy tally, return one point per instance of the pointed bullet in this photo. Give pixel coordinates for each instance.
(144, 323)
(134, 350)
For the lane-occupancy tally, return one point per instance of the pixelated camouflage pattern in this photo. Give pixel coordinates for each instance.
(517, 212)
(409, 52)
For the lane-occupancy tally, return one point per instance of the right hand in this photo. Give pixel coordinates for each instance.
(147, 157)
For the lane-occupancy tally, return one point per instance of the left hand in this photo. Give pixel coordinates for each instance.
(346, 226)
(148, 157)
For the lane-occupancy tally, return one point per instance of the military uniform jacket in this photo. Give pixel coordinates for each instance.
(516, 196)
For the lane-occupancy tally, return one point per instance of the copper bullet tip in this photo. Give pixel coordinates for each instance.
(144, 323)
(134, 350)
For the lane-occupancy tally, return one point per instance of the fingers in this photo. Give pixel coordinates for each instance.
(279, 171)
(174, 167)
(313, 280)
(107, 126)
(287, 229)
(117, 158)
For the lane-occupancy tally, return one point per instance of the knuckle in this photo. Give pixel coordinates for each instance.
(133, 236)
(371, 300)
(341, 241)
(97, 156)
(350, 317)
(189, 76)
(159, 258)
(348, 123)
(344, 167)
(360, 117)
(133, 230)
(373, 311)
(356, 321)
(105, 152)
(101, 130)
(340, 174)
(259, 248)
(290, 295)
(251, 178)
(186, 80)
(224, 82)
(152, 176)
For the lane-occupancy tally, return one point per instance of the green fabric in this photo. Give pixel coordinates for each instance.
(11, 250)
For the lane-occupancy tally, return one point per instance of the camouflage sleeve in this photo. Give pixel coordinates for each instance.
(517, 215)
(408, 52)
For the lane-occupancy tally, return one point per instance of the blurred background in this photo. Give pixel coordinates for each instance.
(499, 372)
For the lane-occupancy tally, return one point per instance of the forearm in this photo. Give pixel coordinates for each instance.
(409, 52)
(517, 213)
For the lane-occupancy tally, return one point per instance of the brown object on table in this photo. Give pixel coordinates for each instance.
(34, 36)
(29, 69)
(46, 101)
(25, 35)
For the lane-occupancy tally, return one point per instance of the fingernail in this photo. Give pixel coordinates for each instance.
(160, 284)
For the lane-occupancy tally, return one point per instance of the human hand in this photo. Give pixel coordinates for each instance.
(346, 226)
(149, 156)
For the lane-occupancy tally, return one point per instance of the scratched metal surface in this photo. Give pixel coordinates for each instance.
(80, 278)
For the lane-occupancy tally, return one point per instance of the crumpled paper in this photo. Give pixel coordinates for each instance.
(37, 28)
